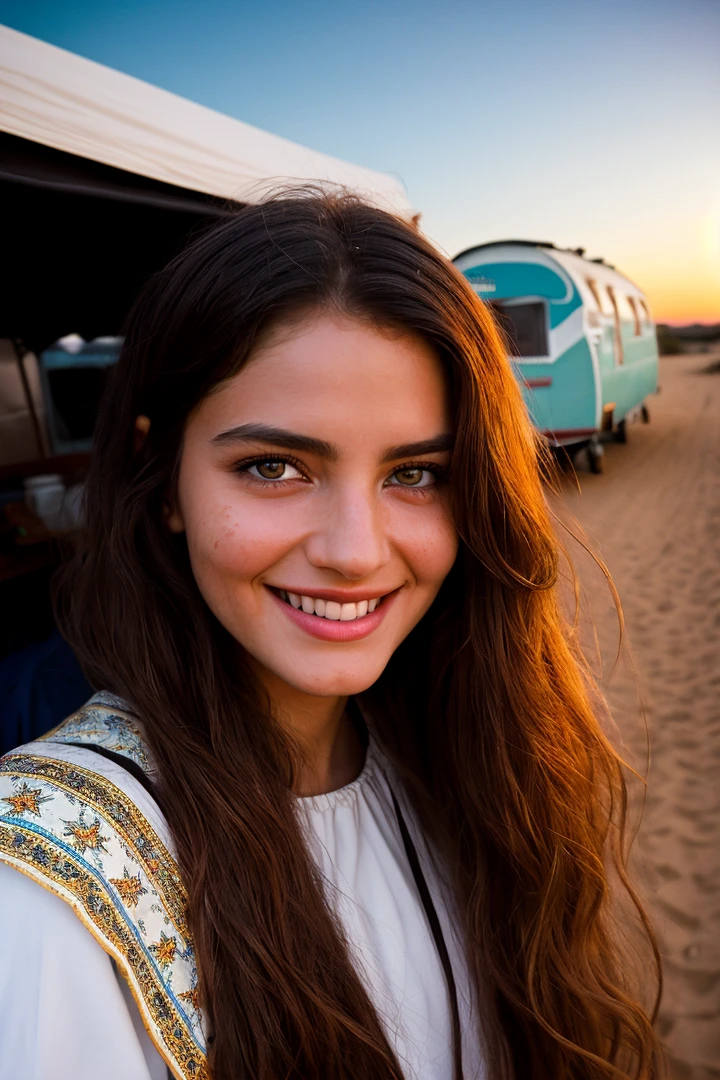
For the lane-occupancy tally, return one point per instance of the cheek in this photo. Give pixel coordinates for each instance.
(430, 544)
(229, 541)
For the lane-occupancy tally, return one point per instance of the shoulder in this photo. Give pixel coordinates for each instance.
(86, 830)
(72, 812)
(62, 1010)
(41, 935)
(108, 722)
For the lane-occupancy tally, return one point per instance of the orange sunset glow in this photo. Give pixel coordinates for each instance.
(687, 300)
(678, 267)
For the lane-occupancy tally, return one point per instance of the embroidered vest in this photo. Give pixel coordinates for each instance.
(85, 829)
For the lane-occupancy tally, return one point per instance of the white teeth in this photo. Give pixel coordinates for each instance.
(330, 609)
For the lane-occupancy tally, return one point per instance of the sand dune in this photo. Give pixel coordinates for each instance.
(654, 516)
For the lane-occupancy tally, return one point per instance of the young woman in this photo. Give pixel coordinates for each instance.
(343, 807)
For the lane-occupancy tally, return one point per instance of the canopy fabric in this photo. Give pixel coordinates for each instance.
(53, 97)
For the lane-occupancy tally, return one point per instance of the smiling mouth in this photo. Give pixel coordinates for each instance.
(329, 609)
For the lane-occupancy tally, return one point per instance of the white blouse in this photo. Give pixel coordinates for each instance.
(65, 1014)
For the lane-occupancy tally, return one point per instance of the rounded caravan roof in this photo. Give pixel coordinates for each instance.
(574, 263)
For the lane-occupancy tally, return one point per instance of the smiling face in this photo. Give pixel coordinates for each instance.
(312, 492)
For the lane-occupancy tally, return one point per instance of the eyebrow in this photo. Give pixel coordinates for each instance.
(437, 445)
(291, 440)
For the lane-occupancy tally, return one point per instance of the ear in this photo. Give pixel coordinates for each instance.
(142, 426)
(173, 518)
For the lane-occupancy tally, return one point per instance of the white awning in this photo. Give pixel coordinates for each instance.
(52, 97)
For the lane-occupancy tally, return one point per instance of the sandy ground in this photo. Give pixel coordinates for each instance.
(654, 517)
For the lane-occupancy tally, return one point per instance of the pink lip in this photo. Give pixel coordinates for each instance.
(329, 630)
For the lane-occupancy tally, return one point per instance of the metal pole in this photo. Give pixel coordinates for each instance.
(20, 353)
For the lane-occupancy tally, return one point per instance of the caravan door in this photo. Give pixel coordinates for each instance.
(607, 342)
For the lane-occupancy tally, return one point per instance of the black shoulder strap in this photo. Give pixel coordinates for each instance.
(356, 717)
(125, 763)
(436, 930)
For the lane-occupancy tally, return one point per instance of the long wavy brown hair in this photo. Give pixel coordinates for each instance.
(486, 709)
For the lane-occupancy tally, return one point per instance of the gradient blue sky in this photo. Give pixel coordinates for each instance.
(588, 123)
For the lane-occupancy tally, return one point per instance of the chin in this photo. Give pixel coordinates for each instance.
(332, 683)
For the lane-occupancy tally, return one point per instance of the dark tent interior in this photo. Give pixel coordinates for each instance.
(80, 239)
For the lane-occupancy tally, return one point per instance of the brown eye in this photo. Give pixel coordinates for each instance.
(414, 477)
(270, 470)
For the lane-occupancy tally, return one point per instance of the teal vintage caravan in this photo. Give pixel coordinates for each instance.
(580, 334)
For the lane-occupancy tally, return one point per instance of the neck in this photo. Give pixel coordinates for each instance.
(331, 752)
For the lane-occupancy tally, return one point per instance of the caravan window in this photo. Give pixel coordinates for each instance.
(75, 394)
(593, 287)
(619, 352)
(635, 314)
(524, 326)
(74, 381)
(600, 296)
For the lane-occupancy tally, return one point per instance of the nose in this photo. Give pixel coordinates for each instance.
(350, 537)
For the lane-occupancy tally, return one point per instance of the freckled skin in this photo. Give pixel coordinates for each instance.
(338, 524)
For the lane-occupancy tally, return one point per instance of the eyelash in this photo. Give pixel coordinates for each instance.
(285, 459)
(438, 471)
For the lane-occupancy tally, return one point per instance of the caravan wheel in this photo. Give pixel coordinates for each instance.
(595, 455)
(620, 432)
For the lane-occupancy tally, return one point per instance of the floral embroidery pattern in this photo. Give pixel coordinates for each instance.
(130, 887)
(191, 996)
(104, 721)
(164, 951)
(85, 836)
(97, 908)
(82, 837)
(26, 800)
(113, 806)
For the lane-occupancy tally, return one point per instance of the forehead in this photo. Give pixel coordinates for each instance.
(332, 377)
